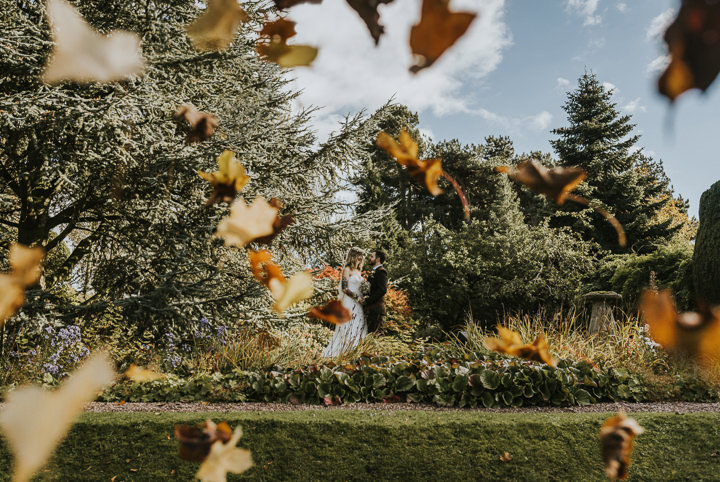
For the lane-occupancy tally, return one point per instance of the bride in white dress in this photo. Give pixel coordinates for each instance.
(348, 335)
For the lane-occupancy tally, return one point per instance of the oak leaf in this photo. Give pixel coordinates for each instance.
(34, 421)
(215, 29)
(225, 457)
(437, 31)
(81, 54)
(555, 183)
(25, 270)
(333, 312)
(272, 44)
(246, 222)
(510, 342)
(617, 436)
(202, 124)
(228, 180)
(693, 40)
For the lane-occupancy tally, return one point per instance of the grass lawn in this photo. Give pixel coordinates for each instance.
(389, 445)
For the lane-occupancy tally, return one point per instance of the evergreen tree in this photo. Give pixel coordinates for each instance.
(620, 177)
(706, 258)
(102, 169)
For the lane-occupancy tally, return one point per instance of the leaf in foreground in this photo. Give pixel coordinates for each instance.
(246, 222)
(34, 421)
(693, 40)
(333, 312)
(196, 440)
(286, 292)
(437, 31)
(367, 9)
(280, 223)
(215, 29)
(202, 124)
(228, 180)
(273, 46)
(25, 270)
(225, 457)
(510, 342)
(556, 183)
(139, 374)
(81, 54)
(284, 4)
(693, 334)
(617, 436)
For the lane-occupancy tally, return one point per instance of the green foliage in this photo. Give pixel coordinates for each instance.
(620, 177)
(706, 260)
(630, 274)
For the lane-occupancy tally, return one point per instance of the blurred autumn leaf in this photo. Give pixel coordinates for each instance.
(215, 29)
(617, 436)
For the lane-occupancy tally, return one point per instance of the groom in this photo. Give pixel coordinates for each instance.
(374, 303)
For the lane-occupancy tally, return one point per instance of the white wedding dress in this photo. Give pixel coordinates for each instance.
(348, 335)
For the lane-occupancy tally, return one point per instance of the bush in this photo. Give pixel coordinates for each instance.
(706, 260)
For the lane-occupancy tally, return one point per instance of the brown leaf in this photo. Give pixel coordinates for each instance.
(81, 54)
(693, 40)
(333, 312)
(367, 9)
(505, 457)
(555, 183)
(280, 223)
(272, 44)
(437, 31)
(285, 291)
(215, 29)
(617, 436)
(405, 150)
(693, 334)
(202, 124)
(511, 343)
(285, 4)
(228, 180)
(196, 440)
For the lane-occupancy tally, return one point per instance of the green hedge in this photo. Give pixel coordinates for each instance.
(492, 382)
(354, 445)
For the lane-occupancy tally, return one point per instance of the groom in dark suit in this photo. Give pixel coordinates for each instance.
(374, 303)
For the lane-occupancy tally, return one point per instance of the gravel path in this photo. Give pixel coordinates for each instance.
(677, 407)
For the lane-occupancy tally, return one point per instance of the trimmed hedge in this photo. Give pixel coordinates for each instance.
(488, 382)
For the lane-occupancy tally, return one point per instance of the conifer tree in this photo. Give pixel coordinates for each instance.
(620, 177)
(103, 169)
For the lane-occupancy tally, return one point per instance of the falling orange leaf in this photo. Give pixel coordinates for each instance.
(228, 180)
(333, 312)
(437, 31)
(511, 343)
(215, 29)
(693, 40)
(280, 223)
(34, 421)
(246, 222)
(286, 292)
(693, 334)
(202, 124)
(617, 436)
(195, 441)
(25, 270)
(272, 45)
(140, 374)
(81, 54)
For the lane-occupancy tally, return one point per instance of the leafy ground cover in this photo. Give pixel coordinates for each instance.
(379, 445)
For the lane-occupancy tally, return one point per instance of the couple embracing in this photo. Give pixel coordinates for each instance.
(365, 301)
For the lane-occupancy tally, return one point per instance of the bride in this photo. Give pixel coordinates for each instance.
(348, 335)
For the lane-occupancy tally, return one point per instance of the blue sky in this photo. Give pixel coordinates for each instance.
(510, 75)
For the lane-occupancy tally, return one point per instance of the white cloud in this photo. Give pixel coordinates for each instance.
(658, 64)
(427, 132)
(586, 9)
(350, 73)
(516, 125)
(610, 87)
(562, 82)
(634, 106)
(622, 6)
(659, 24)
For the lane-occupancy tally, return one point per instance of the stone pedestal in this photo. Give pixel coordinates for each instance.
(601, 316)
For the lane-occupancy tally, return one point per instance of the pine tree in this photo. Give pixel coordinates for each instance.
(103, 169)
(706, 258)
(620, 177)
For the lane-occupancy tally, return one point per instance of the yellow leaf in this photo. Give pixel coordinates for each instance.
(140, 374)
(272, 45)
(224, 458)
(26, 270)
(34, 421)
(81, 54)
(297, 288)
(228, 180)
(216, 28)
(246, 222)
